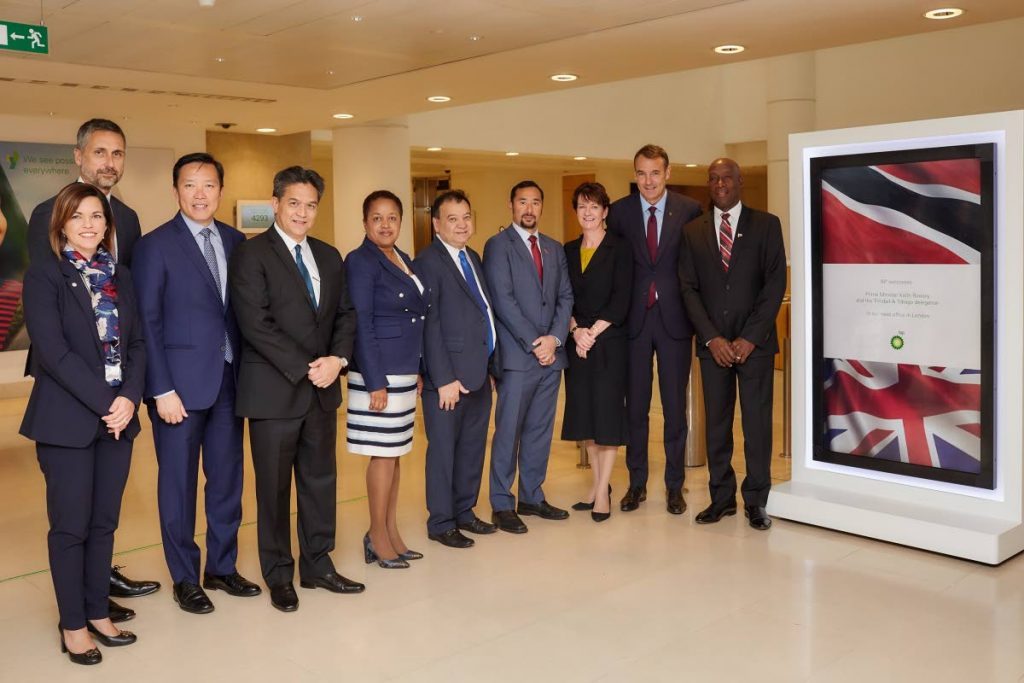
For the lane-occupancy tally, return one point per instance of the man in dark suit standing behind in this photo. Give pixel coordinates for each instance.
(733, 272)
(459, 344)
(298, 327)
(192, 345)
(529, 280)
(652, 222)
(100, 155)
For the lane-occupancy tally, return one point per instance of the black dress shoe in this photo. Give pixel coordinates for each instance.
(452, 538)
(283, 597)
(191, 598)
(634, 496)
(508, 520)
(334, 582)
(477, 526)
(122, 637)
(123, 587)
(232, 584)
(544, 510)
(758, 517)
(675, 503)
(713, 513)
(88, 658)
(119, 613)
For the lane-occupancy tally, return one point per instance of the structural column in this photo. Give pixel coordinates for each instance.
(791, 109)
(370, 157)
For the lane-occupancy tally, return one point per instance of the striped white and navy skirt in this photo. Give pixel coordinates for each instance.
(387, 433)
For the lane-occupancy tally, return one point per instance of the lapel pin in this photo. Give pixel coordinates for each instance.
(738, 235)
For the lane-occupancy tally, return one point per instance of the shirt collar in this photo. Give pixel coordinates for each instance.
(526, 234)
(194, 227)
(105, 194)
(660, 204)
(734, 213)
(453, 251)
(288, 241)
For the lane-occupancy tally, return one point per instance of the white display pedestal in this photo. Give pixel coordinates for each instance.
(976, 524)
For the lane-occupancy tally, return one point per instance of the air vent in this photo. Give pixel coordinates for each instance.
(175, 93)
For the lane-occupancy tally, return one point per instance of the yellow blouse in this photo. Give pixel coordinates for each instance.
(586, 253)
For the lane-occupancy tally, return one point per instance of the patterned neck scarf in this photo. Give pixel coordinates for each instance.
(99, 273)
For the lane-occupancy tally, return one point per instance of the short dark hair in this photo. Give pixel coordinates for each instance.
(523, 184)
(93, 125)
(377, 195)
(457, 196)
(66, 203)
(197, 158)
(651, 152)
(296, 175)
(592, 192)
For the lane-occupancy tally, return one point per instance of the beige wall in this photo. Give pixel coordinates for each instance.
(250, 162)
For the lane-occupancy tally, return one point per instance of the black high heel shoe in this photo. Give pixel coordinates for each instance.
(590, 506)
(88, 658)
(122, 637)
(603, 516)
(370, 556)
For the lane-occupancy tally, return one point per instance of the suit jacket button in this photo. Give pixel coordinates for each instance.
(414, 319)
(401, 295)
(222, 349)
(423, 317)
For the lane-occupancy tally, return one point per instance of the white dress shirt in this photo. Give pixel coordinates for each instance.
(307, 258)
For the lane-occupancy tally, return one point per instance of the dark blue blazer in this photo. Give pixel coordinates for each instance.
(455, 335)
(183, 316)
(390, 312)
(70, 394)
(625, 219)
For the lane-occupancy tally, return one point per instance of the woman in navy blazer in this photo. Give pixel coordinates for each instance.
(384, 380)
(88, 361)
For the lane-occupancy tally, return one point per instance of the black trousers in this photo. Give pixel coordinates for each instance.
(83, 502)
(755, 378)
(673, 375)
(305, 446)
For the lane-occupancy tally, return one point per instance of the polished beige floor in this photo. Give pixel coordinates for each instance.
(645, 596)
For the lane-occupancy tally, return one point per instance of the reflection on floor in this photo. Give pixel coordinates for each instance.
(646, 596)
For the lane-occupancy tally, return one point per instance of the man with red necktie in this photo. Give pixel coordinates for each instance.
(733, 272)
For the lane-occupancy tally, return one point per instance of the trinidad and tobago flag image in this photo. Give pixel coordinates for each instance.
(911, 213)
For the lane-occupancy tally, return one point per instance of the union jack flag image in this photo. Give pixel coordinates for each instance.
(905, 413)
(918, 213)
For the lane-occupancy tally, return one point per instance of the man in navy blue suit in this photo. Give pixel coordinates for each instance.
(529, 278)
(459, 342)
(652, 221)
(192, 344)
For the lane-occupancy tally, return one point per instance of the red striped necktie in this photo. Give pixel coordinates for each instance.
(725, 241)
(536, 258)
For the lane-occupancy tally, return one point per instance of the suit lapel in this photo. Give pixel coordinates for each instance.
(519, 247)
(455, 271)
(739, 240)
(638, 218)
(80, 293)
(327, 285)
(278, 246)
(193, 254)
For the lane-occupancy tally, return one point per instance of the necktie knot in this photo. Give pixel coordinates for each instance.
(653, 210)
(205, 233)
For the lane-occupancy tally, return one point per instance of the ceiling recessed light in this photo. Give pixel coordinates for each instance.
(330, 72)
(219, 60)
(691, 165)
(729, 49)
(476, 38)
(511, 154)
(342, 116)
(943, 13)
(439, 98)
(579, 158)
(564, 78)
(266, 130)
(433, 149)
(357, 18)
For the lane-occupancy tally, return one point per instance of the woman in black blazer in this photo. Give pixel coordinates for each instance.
(88, 361)
(384, 380)
(601, 273)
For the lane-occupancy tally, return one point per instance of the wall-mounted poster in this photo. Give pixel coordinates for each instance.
(903, 311)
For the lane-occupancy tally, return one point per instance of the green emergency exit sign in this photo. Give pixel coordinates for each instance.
(24, 38)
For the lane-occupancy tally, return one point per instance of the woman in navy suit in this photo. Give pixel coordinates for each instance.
(384, 380)
(88, 360)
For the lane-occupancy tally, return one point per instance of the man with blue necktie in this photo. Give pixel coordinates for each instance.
(298, 326)
(192, 347)
(459, 342)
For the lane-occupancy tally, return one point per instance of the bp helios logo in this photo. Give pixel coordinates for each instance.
(896, 342)
(12, 159)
